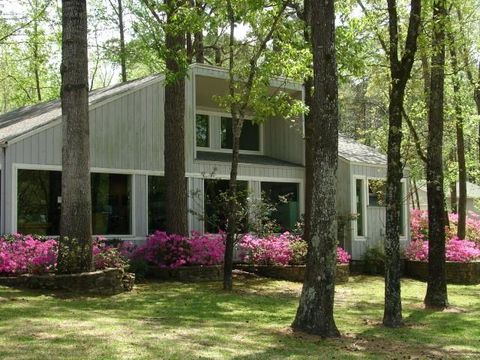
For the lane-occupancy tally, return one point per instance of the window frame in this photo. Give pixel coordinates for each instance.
(215, 133)
(41, 167)
(355, 236)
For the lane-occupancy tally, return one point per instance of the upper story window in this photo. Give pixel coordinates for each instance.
(249, 140)
(202, 130)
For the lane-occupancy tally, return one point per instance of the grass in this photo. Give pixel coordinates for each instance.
(199, 321)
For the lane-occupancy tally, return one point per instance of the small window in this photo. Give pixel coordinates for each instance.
(360, 201)
(376, 192)
(249, 140)
(403, 216)
(111, 204)
(202, 130)
(284, 196)
(156, 203)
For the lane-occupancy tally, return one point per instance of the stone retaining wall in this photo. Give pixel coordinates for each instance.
(457, 272)
(292, 272)
(102, 282)
(187, 273)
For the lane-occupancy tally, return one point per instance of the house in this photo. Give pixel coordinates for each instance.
(473, 196)
(126, 127)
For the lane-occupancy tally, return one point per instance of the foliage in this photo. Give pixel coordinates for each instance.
(279, 249)
(374, 260)
(455, 250)
(28, 254)
(172, 250)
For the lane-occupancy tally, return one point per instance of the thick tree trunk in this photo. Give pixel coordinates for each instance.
(123, 54)
(315, 311)
(392, 316)
(75, 251)
(436, 296)
(174, 136)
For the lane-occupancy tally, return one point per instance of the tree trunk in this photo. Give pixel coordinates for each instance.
(198, 38)
(400, 72)
(75, 250)
(232, 220)
(308, 85)
(417, 197)
(462, 166)
(174, 137)
(436, 296)
(36, 70)
(123, 54)
(315, 311)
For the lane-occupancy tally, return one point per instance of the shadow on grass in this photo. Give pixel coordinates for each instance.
(180, 320)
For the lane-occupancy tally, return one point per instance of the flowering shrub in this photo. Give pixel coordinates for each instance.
(282, 249)
(419, 226)
(343, 257)
(26, 254)
(172, 251)
(455, 250)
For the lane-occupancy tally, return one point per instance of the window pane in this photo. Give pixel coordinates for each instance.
(215, 213)
(202, 130)
(376, 192)
(360, 201)
(111, 204)
(285, 198)
(249, 140)
(402, 208)
(39, 202)
(156, 203)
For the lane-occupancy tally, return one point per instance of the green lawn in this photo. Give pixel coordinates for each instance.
(199, 321)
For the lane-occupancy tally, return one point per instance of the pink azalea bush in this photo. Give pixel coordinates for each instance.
(27, 254)
(455, 250)
(172, 251)
(279, 249)
(419, 226)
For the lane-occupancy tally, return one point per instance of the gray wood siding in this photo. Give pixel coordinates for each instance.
(284, 140)
(126, 133)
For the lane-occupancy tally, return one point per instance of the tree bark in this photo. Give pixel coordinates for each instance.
(462, 166)
(436, 296)
(400, 70)
(315, 310)
(453, 197)
(174, 137)
(75, 250)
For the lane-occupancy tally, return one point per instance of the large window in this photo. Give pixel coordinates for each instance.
(202, 130)
(111, 204)
(38, 202)
(216, 207)
(156, 203)
(284, 196)
(376, 192)
(360, 202)
(249, 140)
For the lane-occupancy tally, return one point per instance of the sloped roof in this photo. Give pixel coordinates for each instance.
(352, 150)
(473, 190)
(21, 121)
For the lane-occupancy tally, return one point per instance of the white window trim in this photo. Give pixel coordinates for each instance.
(354, 207)
(19, 166)
(211, 136)
(403, 183)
